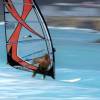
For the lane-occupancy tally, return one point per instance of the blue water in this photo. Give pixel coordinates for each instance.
(77, 71)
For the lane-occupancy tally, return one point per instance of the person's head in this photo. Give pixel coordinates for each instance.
(46, 56)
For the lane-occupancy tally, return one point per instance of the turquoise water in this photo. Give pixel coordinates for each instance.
(77, 71)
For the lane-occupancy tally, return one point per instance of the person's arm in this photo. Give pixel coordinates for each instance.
(37, 60)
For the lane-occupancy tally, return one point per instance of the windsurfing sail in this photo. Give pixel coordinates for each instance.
(27, 35)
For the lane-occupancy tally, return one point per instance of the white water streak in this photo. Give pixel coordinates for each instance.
(72, 80)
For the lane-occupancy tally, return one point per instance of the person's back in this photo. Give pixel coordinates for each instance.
(44, 63)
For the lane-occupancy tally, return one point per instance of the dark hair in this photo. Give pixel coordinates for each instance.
(46, 56)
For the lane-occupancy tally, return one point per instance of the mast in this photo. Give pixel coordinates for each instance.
(45, 25)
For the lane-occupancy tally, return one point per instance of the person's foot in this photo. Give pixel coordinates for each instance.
(33, 75)
(43, 77)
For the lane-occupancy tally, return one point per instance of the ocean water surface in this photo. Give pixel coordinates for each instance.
(77, 70)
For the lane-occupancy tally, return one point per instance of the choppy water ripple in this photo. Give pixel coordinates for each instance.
(18, 87)
(77, 73)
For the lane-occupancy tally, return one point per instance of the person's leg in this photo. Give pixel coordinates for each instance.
(34, 74)
(44, 76)
(45, 73)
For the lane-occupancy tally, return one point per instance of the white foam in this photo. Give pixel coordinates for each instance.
(2, 23)
(73, 28)
(77, 4)
(66, 4)
(72, 80)
(5, 75)
(5, 81)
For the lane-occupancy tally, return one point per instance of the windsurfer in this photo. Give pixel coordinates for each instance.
(43, 64)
